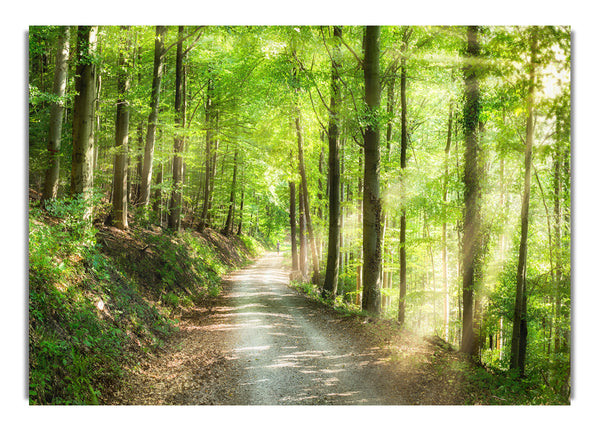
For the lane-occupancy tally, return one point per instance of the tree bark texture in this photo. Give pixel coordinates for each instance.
(83, 115)
(56, 116)
(372, 212)
(302, 234)
(472, 189)
(333, 244)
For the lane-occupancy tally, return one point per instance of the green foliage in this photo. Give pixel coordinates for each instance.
(252, 245)
(87, 316)
(495, 387)
(338, 303)
(263, 78)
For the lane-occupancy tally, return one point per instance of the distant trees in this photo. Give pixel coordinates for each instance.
(210, 154)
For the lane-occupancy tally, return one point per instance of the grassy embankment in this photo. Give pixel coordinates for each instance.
(101, 298)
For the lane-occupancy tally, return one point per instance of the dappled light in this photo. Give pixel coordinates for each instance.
(265, 215)
(285, 356)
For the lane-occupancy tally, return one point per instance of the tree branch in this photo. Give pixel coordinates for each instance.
(164, 53)
(358, 59)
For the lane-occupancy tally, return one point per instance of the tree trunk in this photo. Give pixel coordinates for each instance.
(239, 229)
(228, 228)
(139, 160)
(119, 213)
(390, 112)
(472, 188)
(56, 116)
(157, 205)
(372, 212)
(445, 228)
(207, 161)
(403, 152)
(82, 173)
(305, 203)
(159, 49)
(179, 140)
(558, 185)
(302, 233)
(342, 267)
(519, 333)
(293, 234)
(213, 166)
(333, 243)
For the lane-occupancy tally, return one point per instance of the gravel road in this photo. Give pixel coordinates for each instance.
(262, 343)
(287, 349)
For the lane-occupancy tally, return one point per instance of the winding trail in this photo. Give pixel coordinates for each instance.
(286, 349)
(262, 343)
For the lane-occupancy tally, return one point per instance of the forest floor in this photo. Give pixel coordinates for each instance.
(262, 342)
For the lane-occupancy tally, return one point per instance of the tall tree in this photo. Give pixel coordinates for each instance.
(304, 200)
(82, 174)
(159, 49)
(210, 118)
(333, 244)
(445, 226)
(372, 212)
(403, 153)
(519, 333)
(179, 139)
(472, 108)
(119, 210)
(56, 115)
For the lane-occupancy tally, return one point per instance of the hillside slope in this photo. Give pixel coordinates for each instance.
(102, 299)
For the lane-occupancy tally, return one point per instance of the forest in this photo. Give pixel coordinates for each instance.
(417, 174)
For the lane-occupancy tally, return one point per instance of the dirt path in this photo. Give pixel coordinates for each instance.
(263, 343)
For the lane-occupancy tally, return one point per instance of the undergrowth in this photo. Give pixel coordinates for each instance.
(313, 292)
(97, 302)
(480, 385)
